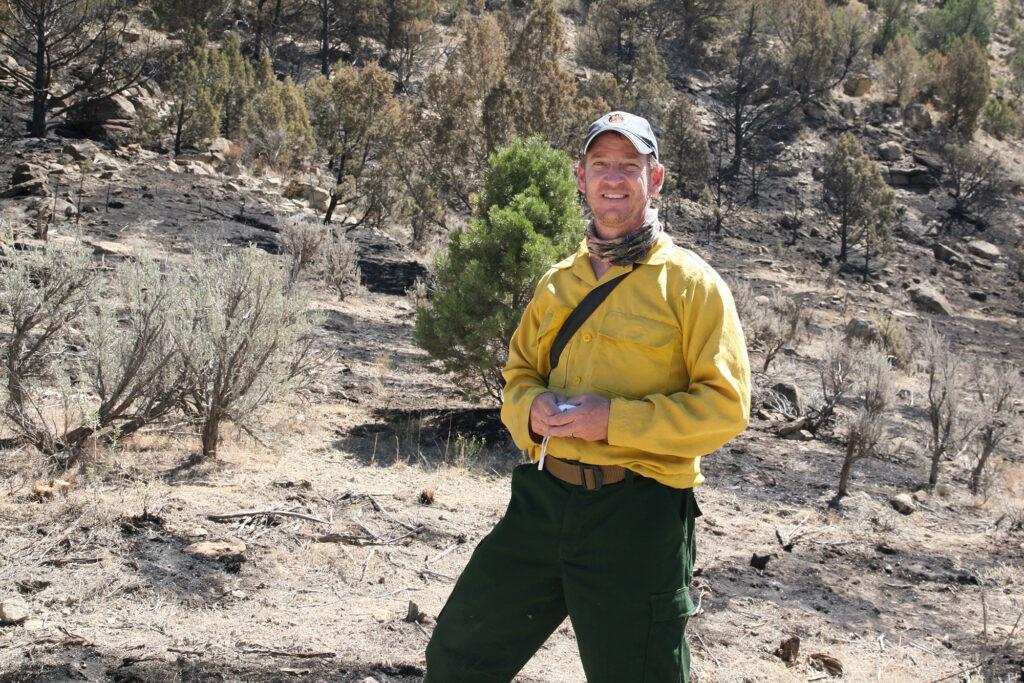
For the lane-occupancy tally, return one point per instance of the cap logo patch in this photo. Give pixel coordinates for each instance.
(615, 118)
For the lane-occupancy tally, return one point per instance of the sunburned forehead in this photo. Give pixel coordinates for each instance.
(611, 143)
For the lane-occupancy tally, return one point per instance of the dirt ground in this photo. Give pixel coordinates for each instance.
(398, 477)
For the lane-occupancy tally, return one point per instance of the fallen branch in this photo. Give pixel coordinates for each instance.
(61, 561)
(284, 653)
(380, 508)
(225, 516)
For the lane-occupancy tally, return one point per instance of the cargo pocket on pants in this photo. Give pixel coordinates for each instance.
(668, 655)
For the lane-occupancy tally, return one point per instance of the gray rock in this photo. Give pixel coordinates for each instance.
(13, 610)
(791, 392)
(107, 109)
(29, 188)
(930, 161)
(864, 330)
(81, 151)
(985, 250)
(929, 299)
(947, 254)
(903, 503)
(815, 111)
(890, 151)
(25, 172)
(800, 435)
(783, 170)
(914, 176)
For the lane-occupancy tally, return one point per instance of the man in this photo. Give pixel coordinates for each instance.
(656, 377)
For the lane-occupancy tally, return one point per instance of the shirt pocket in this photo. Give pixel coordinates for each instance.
(548, 329)
(637, 356)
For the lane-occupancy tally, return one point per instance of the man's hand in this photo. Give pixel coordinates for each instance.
(543, 409)
(588, 421)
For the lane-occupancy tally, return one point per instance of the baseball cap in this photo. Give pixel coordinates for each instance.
(636, 129)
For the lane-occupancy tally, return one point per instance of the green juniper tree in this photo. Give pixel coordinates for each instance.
(528, 218)
(858, 197)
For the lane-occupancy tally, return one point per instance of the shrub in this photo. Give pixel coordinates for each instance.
(44, 295)
(901, 69)
(998, 389)
(866, 431)
(962, 84)
(1000, 118)
(243, 339)
(953, 20)
(860, 201)
(340, 264)
(946, 419)
(527, 219)
(302, 242)
(835, 376)
(275, 125)
(771, 329)
(686, 148)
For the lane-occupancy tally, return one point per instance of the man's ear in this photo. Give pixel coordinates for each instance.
(657, 179)
(581, 178)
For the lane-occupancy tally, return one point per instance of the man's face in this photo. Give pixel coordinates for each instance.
(617, 183)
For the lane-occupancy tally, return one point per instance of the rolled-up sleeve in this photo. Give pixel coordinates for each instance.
(715, 405)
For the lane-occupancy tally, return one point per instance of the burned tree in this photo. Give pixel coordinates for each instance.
(53, 39)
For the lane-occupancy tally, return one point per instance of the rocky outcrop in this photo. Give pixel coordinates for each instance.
(890, 151)
(28, 180)
(985, 250)
(109, 118)
(929, 299)
(913, 177)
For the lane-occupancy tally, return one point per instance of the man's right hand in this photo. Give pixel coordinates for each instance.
(544, 407)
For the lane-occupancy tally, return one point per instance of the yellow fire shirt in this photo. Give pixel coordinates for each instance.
(665, 346)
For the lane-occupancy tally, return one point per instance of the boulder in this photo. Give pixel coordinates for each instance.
(794, 426)
(25, 172)
(903, 503)
(985, 250)
(13, 610)
(929, 299)
(105, 110)
(226, 148)
(778, 170)
(917, 177)
(947, 254)
(863, 330)
(81, 151)
(791, 393)
(27, 180)
(815, 111)
(917, 116)
(800, 435)
(857, 86)
(890, 151)
(317, 197)
(932, 162)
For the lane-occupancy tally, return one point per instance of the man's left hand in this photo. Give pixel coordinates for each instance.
(588, 421)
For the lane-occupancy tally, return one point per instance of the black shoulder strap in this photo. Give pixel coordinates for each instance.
(580, 314)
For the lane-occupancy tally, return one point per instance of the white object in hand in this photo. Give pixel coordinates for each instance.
(563, 407)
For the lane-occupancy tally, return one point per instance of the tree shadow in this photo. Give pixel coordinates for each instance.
(432, 436)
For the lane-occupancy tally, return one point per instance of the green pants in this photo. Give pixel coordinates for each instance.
(617, 560)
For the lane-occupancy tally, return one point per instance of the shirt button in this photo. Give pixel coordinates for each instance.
(577, 379)
(587, 338)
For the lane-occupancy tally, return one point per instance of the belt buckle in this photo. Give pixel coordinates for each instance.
(598, 476)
